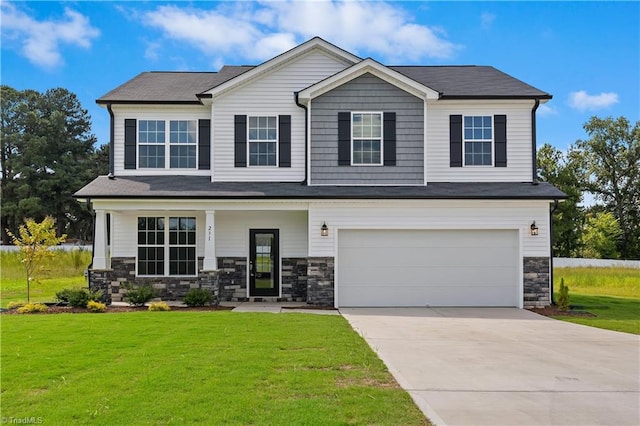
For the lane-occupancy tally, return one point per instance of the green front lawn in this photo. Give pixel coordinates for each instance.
(195, 367)
(611, 294)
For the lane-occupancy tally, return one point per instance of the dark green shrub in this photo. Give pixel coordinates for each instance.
(138, 296)
(198, 297)
(563, 296)
(79, 297)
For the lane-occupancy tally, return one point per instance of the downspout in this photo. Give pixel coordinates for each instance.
(555, 206)
(111, 174)
(534, 148)
(306, 137)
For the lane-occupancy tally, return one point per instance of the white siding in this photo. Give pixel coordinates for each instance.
(518, 141)
(436, 214)
(232, 231)
(272, 94)
(124, 231)
(152, 112)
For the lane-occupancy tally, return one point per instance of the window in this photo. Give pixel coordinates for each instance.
(366, 138)
(152, 144)
(263, 141)
(478, 140)
(162, 248)
(182, 144)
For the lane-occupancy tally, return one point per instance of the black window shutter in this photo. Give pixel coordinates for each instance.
(455, 141)
(204, 144)
(240, 144)
(500, 129)
(284, 140)
(130, 143)
(344, 139)
(389, 138)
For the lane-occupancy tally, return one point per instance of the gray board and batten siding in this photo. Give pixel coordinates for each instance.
(367, 93)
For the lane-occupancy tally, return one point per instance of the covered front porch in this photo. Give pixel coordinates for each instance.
(240, 251)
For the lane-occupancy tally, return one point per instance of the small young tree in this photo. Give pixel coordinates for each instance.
(35, 240)
(563, 296)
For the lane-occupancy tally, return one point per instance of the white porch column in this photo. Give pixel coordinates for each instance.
(210, 262)
(100, 241)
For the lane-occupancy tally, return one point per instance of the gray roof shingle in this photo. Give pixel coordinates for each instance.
(170, 87)
(154, 187)
(470, 81)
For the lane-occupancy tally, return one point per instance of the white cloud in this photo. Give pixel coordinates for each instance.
(486, 19)
(582, 101)
(41, 41)
(545, 110)
(260, 31)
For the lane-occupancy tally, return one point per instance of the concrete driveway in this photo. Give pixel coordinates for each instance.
(503, 366)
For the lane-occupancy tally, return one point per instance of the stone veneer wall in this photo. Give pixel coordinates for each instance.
(320, 281)
(536, 282)
(232, 278)
(294, 279)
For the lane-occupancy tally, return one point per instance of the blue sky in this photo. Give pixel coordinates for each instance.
(586, 54)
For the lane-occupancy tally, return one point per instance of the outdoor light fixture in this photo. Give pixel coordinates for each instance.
(324, 231)
(534, 228)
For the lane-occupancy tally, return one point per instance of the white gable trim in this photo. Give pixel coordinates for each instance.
(372, 67)
(280, 60)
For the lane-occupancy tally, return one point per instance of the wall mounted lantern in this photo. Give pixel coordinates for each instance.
(324, 231)
(534, 228)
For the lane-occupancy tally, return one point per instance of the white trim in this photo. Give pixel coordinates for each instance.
(424, 144)
(368, 66)
(521, 233)
(492, 141)
(300, 50)
(276, 141)
(308, 136)
(167, 148)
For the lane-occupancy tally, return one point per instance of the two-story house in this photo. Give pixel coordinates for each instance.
(319, 176)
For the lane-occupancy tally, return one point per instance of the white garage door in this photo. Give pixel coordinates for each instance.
(427, 268)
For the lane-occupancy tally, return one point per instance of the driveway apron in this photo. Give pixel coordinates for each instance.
(504, 366)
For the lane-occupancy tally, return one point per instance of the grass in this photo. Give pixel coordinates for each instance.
(65, 270)
(196, 367)
(612, 294)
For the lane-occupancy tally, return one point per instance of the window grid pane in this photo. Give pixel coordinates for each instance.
(182, 246)
(150, 246)
(151, 139)
(366, 138)
(182, 139)
(263, 137)
(478, 140)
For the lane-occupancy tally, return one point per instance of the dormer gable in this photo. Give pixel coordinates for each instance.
(254, 73)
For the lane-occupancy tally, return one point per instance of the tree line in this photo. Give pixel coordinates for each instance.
(48, 152)
(607, 168)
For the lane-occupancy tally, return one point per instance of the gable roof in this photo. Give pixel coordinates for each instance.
(471, 81)
(451, 82)
(170, 87)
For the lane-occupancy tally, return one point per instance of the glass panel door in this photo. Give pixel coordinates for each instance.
(264, 263)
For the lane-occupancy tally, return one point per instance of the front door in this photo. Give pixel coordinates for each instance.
(264, 262)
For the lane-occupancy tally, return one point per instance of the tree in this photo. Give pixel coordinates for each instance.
(563, 171)
(611, 159)
(47, 154)
(601, 235)
(35, 240)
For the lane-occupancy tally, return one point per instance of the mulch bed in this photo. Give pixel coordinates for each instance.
(118, 309)
(554, 311)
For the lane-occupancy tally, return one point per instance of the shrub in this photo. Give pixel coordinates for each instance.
(31, 308)
(159, 306)
(16, 305)
(93, 306)
(198, 297)
(563, 296)
(79, 297)
(138, 296)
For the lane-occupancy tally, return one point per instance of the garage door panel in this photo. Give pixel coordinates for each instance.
(434, 268)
